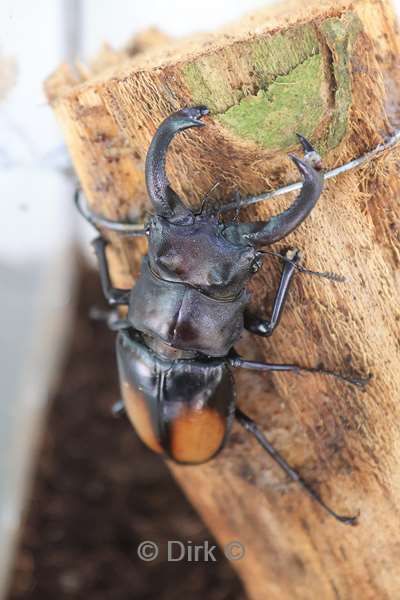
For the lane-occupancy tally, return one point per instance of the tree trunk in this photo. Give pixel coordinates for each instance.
(328, 71)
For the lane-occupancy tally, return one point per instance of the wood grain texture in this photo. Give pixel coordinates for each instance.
(345, 441)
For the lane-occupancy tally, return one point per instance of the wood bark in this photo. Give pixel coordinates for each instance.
(331, 72)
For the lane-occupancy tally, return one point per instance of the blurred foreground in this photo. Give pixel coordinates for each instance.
(98, 493)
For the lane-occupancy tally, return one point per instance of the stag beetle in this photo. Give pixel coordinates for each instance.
(189, 306)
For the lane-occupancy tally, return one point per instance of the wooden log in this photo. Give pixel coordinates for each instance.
(330, 71)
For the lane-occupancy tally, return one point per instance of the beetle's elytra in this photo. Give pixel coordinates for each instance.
(175, 348)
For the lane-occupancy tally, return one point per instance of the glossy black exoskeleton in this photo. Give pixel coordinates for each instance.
(189, 307)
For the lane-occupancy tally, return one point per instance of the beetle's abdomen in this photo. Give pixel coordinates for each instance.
(184, 317)
(182, 408)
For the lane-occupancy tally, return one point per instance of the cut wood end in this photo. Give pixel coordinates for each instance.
(280, 70)
(66, 77)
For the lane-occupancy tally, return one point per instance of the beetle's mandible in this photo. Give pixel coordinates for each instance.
(189, 306)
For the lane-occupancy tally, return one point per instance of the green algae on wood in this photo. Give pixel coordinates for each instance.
(277, 55)
(340, 35)
(291, 103)
(212, 78)
(208, 86)
(263, 91)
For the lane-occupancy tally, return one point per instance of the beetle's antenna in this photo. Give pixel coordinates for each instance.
(238, 200)
(252, 427)
(325, 274)
(99, 222)
(203, 205)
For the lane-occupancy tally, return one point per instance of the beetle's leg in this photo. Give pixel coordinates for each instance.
(110, 317)
(119, 324)
(113, 295)
(266, 327)
(236, 361)
(128, 229)
(118, 408)
(253, 428)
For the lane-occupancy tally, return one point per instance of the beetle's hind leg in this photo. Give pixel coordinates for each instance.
(255, 430)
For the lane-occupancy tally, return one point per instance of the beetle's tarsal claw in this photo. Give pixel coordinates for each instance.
(360, 381)
(353, 521)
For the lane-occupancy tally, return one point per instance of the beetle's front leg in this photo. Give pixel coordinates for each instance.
(265, 327)
(113, 295)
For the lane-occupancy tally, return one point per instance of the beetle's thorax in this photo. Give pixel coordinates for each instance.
(198, 254)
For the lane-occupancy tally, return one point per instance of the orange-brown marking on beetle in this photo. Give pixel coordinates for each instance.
(196, 435)
(139, 415)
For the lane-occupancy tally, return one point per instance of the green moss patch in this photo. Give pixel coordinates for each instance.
(340, 36)
(264, 90)
(291, 103)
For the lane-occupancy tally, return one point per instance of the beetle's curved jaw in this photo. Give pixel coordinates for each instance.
(165, 201)
(279, 226)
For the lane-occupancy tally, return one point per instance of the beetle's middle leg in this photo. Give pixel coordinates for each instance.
(265, 327)
(237, 362)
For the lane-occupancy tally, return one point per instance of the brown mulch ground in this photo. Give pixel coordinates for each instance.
(98, 493)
